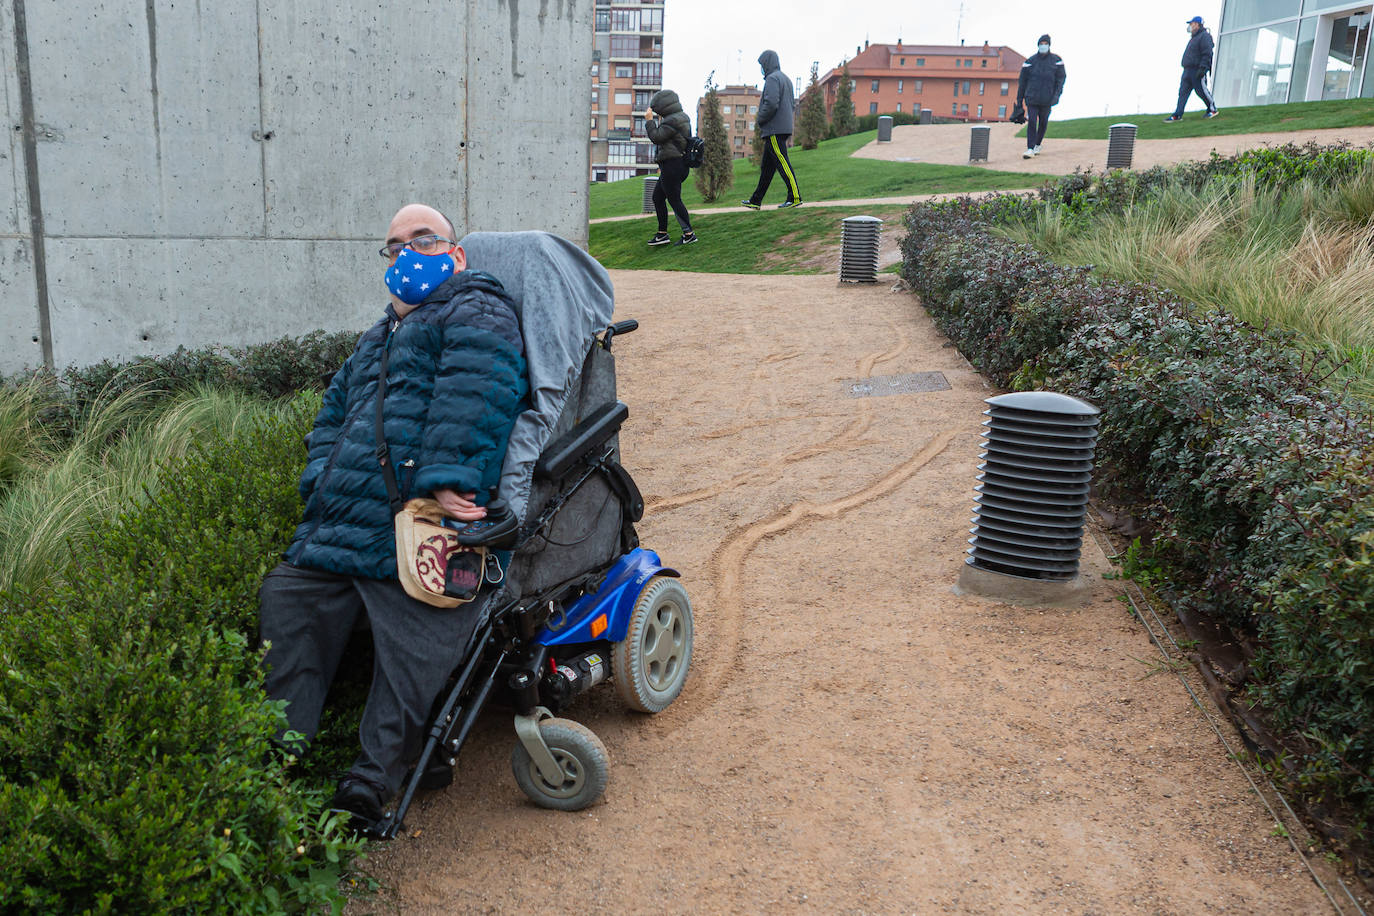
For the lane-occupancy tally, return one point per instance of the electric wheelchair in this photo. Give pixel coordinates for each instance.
(577, 601)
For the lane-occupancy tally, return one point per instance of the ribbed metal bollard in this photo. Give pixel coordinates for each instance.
(859, 249)
(885, 128)
(1033, 489)
(978, 143)
(1120, 146)
(649, 184)
(927, 116)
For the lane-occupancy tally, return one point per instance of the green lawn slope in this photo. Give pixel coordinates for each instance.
(1251, 119)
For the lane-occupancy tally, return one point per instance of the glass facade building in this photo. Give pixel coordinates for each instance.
(1271, 51)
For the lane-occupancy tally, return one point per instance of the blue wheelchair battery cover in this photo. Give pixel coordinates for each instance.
(605, 613)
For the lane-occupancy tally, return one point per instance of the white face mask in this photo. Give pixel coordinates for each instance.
(1043, 49)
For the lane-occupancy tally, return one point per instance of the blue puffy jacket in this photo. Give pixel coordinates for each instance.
(455, 384)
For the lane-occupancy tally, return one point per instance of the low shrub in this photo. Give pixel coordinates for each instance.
(1257, 475)
(136, 773)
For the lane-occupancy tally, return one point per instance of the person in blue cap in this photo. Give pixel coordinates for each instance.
(1197, 63)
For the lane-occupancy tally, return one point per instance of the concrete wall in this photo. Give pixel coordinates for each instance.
(222, 173)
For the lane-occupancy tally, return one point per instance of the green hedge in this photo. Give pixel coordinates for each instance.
(1260, 479)
(136, 773)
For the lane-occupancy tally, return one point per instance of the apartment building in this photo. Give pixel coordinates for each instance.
(627, 69)
(739, 107)
(953, 81)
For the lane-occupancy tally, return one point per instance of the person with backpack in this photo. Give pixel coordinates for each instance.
(1197, 63)
(673, 136)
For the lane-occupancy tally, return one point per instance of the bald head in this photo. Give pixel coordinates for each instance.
(415, 221)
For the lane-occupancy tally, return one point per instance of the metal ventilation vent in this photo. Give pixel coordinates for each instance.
(1120, 146)
(1033, 489)
(859, 249)
(649, 184)
(978, 143)
(927, 116)
(885, 128)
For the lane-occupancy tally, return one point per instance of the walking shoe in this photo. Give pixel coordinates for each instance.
(360, 800)
(789, 203)
(1037, 149)
(1171, 119)
(660, 238)
(750, 204)
(1211, 114)
(687, 238)
(1028, 154)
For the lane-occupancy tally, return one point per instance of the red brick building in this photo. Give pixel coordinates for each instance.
(953, 81)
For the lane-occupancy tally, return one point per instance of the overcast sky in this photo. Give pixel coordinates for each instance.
(1120, 58)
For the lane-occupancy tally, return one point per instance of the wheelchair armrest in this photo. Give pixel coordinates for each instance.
(574, 445)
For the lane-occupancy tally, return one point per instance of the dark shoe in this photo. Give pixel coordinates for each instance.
(687, 238)
(789, 203)
(361, 801)
(660, 238)
(1171, 119)
(750, 204)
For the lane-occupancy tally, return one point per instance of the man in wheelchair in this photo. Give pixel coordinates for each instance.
(450, 345)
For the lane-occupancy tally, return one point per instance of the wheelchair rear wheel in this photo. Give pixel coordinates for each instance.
(650, 664)
(580, 754)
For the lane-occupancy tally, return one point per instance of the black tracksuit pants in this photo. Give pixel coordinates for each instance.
(1037, 119)
(1194, 81)
(775, 160)
(671, 174)
(308, 615)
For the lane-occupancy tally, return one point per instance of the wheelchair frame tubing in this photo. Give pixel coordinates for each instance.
(451, 718)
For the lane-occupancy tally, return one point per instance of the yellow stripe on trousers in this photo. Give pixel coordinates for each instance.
(786, 168)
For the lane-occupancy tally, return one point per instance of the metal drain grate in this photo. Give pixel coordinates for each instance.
(877, 386)
(859, 249)
(1120, 146)
(1033, 489)
(649, 184)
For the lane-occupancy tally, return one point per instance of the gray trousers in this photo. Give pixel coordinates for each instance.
(308, 614)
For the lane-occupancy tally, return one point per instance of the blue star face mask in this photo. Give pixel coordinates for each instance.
(414, 276)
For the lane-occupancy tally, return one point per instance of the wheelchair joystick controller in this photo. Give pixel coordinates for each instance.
(498, 530)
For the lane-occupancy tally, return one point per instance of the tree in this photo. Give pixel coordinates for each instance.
(842, 118)
(811, 124)
(756, 145)
(716, 173)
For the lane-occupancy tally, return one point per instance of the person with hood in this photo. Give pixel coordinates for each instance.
(451, 347)
(1197, 63)
(1038, 89)
(775, 128)
(671, 135)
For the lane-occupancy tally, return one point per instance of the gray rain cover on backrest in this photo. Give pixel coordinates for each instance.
(565, 298)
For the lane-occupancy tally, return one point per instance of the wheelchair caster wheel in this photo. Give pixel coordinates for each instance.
(650, 664)
(581, 756)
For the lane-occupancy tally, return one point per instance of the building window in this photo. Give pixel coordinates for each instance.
(725, 109)
(980, 111)
(902, 62)
(956, 88)
(649, 74)
(739, 142)
(1001, 111)
(624, 71)
(916, 85)
(963, 109)
(624, 45)
(899, 107)
(596, 97)
(899, 86)
(739, 125)
(958, 62)
(620, 153)
(749, 125)
(853, 85)
(753, 109)
(875, 86)
(603, 20)
(651, 20)
(624, 20)
(1005, 87)
(624, 97)
(872, 107)
(985, 63)
(642, 97)
(954, 109)
(920, 61)
(967, 87)
(596, 69)
(981, 87)
(968, 63)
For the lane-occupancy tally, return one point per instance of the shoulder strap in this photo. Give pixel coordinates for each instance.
(393, 492)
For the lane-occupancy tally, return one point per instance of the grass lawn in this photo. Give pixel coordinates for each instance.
(825, 173)
(1252, 119)
(801, 241)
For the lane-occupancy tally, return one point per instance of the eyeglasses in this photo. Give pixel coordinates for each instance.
(425, 244)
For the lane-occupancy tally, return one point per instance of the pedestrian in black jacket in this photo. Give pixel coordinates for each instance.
(1197, 63)
(671, 134)
(1038, 89)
